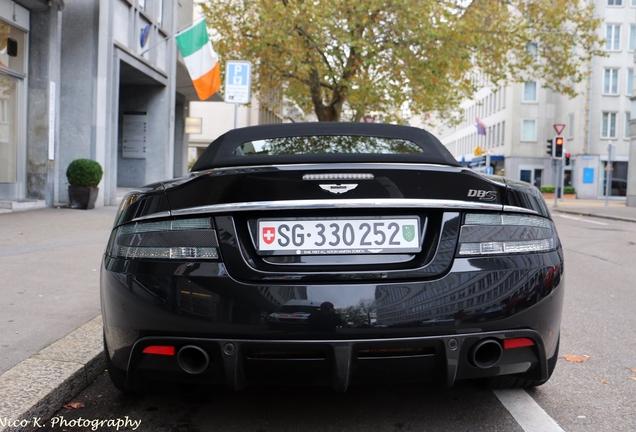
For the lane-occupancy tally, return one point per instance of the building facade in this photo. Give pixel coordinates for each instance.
(97, 79)
(216, 118)
(520, 118)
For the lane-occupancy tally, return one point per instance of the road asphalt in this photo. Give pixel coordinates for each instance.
(50, 322)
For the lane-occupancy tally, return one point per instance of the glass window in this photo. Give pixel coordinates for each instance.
(630, 81)
(619, 179)
(327, 144)
(608, 126)
(570, 125)
(159, 12)
(528, 130)
(613, 37)
(530, 91)
(538, 174)
(525, 175)
(627, 117)
(615, 2)
(12, 48)
(610, 81)
(632, 37)
(8, 132)
(532, 49)
(497, 134)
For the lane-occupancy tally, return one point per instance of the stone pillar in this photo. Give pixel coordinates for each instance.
(43, 102)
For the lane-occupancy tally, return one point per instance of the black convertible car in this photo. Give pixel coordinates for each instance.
(332, 254)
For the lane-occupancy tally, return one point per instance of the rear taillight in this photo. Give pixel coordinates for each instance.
(490, 234)
(170, 239)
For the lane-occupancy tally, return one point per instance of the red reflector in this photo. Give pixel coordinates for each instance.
(517, 343)
(159, 350)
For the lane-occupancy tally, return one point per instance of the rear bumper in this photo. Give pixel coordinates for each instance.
(419, 331)
(340, 363)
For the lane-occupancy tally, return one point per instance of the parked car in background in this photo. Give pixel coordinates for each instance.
(405, 265)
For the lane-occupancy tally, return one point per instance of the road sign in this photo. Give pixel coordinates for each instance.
(238, 81)
(559, 128)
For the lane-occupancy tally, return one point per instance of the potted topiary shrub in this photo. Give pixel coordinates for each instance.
(83, 176)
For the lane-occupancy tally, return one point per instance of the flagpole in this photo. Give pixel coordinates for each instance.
(172, 35)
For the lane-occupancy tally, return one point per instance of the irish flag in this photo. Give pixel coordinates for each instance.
(200, 59)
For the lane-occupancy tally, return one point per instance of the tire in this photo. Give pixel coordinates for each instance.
(511, 382)
(117, 376)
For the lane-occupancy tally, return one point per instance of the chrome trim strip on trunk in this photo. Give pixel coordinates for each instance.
(334, 204)
(153, 216)
(349, 204)
(515, 209)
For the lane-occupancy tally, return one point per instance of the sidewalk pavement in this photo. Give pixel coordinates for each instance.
(50, 323)
(615, 210)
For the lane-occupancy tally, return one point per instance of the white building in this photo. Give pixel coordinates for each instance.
(520, 118)
(216, 118)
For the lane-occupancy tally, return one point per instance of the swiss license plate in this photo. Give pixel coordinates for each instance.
(339, 236)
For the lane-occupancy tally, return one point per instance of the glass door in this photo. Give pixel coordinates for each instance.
(531, 175)
(12, 114)
(8, 129)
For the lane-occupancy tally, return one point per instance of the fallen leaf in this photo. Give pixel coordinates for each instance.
(576, 358)
(74, 405)
(634, 378)
(603, 381)
(633, 370)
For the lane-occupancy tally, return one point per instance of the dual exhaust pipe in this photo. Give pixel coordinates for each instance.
(193, 359)
(485, 353)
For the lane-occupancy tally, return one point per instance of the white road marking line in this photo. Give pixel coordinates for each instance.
(582, 220)
(528, 414)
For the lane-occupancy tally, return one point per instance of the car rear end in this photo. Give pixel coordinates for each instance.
(404, 272)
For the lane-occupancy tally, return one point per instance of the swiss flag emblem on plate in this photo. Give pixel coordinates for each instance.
(269, 234)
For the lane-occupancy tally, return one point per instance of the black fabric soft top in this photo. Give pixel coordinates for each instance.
(220, 153)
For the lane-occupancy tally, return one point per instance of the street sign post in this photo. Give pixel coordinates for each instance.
(238, 83)
(611, 155)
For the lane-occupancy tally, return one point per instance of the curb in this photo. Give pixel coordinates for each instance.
(581, 212)
(35, 389)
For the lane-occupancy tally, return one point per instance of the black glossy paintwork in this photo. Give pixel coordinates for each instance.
(199, 300)
(259, 184)
(143, 202)
(524, 195)
(286, 183)
(430, 297)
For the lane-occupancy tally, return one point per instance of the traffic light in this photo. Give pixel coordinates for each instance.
(549, 147)
(558, 147)
(567, 159)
